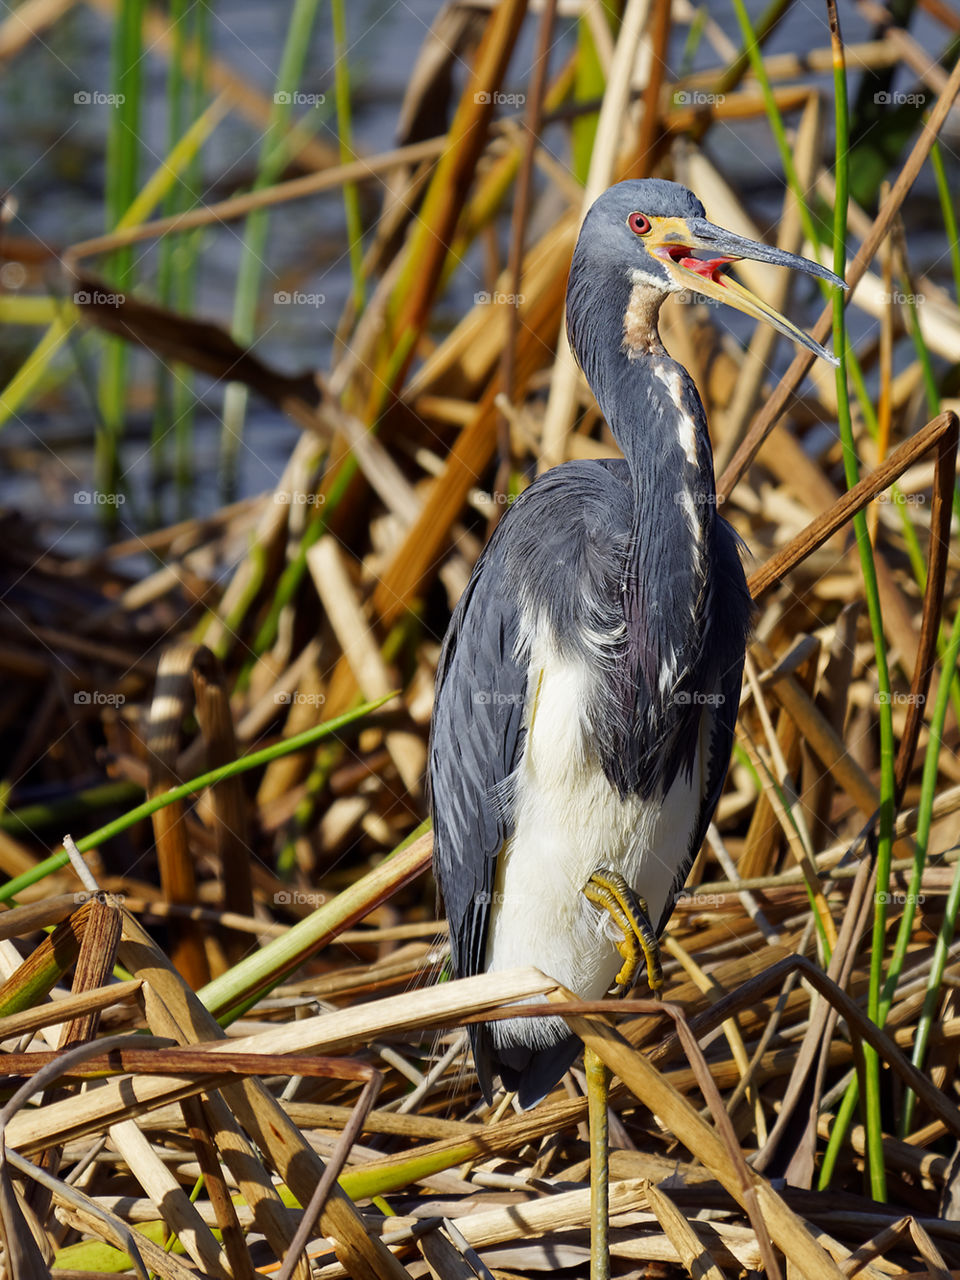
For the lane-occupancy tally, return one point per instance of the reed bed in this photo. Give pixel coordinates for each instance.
(226, 1046)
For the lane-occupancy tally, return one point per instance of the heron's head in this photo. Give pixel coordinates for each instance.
(654, 235)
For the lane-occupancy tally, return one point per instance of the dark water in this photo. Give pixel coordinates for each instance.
(52, 162)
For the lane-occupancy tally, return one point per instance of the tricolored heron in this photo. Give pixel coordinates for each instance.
(588, 686)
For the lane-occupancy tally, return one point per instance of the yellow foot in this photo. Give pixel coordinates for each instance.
(609, 890)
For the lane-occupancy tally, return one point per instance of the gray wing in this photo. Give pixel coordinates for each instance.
(475, 742)
(559, 547)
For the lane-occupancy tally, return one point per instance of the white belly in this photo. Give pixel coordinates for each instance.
(569, 823)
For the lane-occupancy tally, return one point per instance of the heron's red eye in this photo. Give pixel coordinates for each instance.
(639, 224)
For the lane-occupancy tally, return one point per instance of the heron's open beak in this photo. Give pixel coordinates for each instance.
(697, 255)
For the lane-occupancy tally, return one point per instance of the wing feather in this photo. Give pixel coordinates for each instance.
(475, 744)
(476, 741)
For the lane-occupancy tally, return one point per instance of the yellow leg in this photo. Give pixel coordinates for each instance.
(609, 890)
(598, 1082)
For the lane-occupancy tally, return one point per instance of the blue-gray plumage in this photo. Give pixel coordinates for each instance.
(588, 686)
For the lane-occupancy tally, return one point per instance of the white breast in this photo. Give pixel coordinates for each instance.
(570, 822)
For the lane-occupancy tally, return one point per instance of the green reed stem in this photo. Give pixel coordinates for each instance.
(26, 820)
(123, 132)
(874, 1127)
(949, 213)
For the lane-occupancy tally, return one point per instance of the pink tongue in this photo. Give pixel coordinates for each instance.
(706, 267)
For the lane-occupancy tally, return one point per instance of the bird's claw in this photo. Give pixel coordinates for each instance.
(628, 910)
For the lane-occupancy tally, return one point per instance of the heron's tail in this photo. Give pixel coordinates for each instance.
(530, 1073)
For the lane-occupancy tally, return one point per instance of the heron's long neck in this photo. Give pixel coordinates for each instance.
(649, 401)
(658, 420)
(653, 409)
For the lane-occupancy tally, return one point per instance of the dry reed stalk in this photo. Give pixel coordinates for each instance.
(173, 1009)
(83, 1005)
(693, 1253)
(201, 1134)
(227, 800)
(172, 699)
(444, 198)
(338, 596)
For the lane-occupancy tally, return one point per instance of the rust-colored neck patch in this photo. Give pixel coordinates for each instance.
(640, 336)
